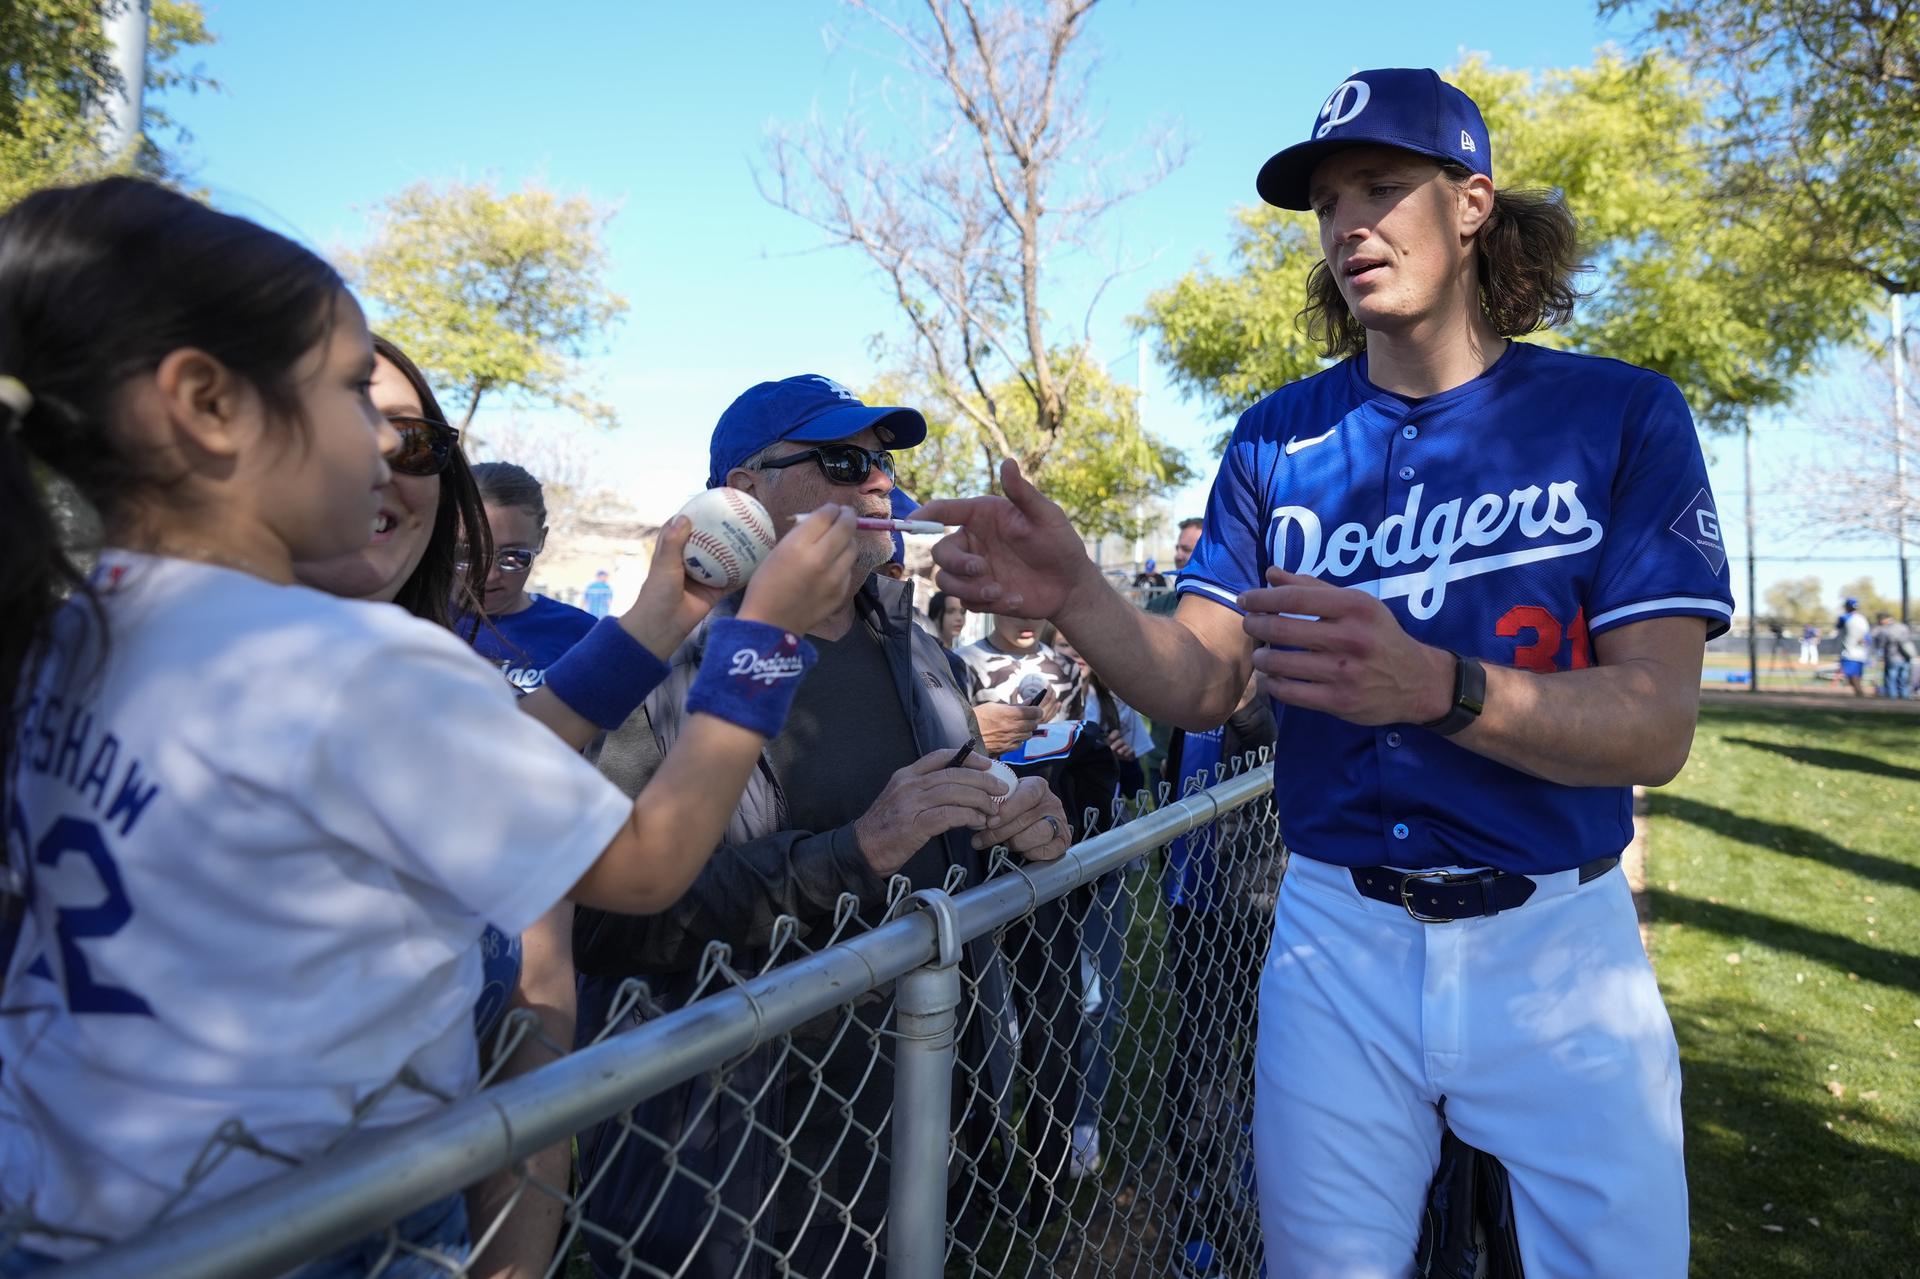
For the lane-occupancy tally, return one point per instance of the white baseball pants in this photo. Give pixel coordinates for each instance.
(1540, 1029)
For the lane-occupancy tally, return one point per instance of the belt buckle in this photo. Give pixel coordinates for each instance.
(1432, 877)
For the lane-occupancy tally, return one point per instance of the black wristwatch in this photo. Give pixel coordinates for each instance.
(1469, 697)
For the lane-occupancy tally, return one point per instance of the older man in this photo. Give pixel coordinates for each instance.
(857, 787)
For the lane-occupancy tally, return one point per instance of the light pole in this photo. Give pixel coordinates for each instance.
(121, 113)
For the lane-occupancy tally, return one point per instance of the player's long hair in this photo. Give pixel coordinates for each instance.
(436, 590)
(98, 283)
(1528, 252)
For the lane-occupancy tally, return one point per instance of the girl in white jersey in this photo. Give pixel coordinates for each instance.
(247, 899)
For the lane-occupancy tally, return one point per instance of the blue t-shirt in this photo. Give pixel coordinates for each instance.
(1512, 519)
(524, 644)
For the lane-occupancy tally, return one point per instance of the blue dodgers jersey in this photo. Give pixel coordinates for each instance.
(1512, 519)
(524, 644)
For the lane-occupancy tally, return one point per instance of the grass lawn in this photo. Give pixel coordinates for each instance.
(1784, 875)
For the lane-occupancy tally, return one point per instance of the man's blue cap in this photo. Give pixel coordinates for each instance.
(808, 409)
(1407, 107)
(1851, 602)
(903, 508)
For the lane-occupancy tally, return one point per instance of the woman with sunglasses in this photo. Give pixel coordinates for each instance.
(417, 559)
(525, 632)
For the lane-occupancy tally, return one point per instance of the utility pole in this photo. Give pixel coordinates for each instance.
(1140, 417)
(1753, 611)
(1900, 449)
(122, 113)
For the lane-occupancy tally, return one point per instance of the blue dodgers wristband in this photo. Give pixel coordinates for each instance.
(750, 674)
(605, 677)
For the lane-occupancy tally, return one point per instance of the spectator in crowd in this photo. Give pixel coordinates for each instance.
(412, 561)
(1893, 640)
(1221, 883)
(1012, 665)
(1120, 725)
(863, 785)
(1184, 541)
(1852, 629)
(1189, 537)
(1809, 645)
(206, 385)
(598, 597)
(949, 618)
(524, 632)
(1103, 931)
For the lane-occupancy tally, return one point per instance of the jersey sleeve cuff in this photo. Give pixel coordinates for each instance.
(1211, 591)
(1719, 613)
(563, 864)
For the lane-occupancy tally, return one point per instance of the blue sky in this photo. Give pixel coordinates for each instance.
(662, 109)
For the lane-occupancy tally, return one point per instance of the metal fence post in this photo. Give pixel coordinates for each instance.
(926, 1004)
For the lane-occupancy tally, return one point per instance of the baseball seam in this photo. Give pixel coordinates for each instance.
(718, 549)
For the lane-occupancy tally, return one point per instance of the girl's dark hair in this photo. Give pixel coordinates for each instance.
(98, 283)
(436, 590)
(1527, 252)
(937, 606)
(504, 484)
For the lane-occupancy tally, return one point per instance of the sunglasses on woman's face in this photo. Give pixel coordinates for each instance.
(513, 559)
(840, 463)
(425, 448)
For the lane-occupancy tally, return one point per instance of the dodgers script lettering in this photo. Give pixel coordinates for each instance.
(1553, 520)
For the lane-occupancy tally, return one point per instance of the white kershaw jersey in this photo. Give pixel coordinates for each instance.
(261, 842)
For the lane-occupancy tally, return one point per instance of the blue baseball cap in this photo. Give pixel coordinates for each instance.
(903, 508)
(1407, 107)
(808, 409)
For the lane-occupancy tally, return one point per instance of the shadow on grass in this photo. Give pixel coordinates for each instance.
(1781, 837)
(1872, 963)
(1842, 761)
(1767, 1147)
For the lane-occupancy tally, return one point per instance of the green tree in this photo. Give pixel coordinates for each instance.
(57, 79)
(1796, 600)
(969, 204)
(492, 291)
(1819, 130)
(1676, 284)
(1100, 472)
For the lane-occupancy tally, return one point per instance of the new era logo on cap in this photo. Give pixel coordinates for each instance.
(1407, 107)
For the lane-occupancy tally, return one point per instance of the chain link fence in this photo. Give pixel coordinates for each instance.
(1049, 1072)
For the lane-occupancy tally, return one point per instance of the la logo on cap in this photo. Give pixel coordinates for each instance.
(1343, 104)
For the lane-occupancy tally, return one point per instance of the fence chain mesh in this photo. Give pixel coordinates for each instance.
(1101, 1098)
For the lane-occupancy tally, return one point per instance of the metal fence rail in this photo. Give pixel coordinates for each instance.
(1048, 1072)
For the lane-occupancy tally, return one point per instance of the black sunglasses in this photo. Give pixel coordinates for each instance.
(840, 463)
(512, 559)
(425, 448)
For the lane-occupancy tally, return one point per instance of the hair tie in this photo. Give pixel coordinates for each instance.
(15, 395)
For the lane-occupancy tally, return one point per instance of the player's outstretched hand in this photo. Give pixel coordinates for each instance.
(671, 604)
(1014, 554)
(1030, 822)
(805, 577)
(923, 800)
(1339, 650)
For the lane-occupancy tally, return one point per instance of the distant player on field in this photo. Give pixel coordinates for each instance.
(1479, 575)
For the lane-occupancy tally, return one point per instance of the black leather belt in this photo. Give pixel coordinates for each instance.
(1440, 897)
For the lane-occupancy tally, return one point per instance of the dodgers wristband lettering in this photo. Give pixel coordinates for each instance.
(750, 674)
(604, 678)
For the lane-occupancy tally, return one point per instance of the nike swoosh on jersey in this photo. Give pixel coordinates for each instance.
(1295, 445)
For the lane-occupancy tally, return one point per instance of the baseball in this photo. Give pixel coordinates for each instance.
(731, 534)
(1008, 779)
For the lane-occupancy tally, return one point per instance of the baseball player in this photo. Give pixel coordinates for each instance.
(1479, 575)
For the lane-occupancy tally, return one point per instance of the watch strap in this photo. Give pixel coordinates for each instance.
(1469, 697)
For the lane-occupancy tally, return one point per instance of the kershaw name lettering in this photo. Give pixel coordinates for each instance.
(766, 670)
(1553, 521)
(62, 740)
